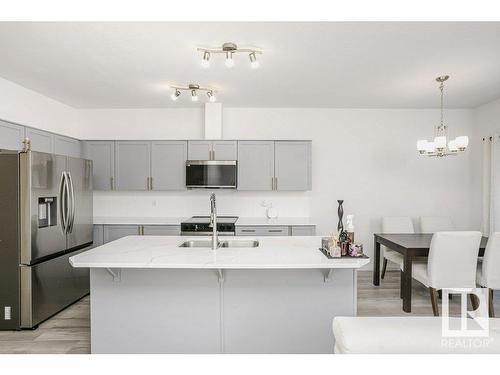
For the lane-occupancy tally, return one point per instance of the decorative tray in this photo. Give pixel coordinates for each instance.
(325, 253)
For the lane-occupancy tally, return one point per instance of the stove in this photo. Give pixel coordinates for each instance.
(200, 226)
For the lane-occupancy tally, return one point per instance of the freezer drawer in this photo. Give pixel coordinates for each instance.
(50, 286)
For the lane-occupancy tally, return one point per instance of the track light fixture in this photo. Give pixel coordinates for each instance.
(229, 49)
(193, 88)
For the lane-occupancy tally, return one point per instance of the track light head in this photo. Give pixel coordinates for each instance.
(253, 60)
(229, 59)
(211, 96)
(205, 63)
(175, 95)
(194, 96)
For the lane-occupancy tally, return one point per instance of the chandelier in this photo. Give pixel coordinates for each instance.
(229, 49)
(193, 88)
(440, 146)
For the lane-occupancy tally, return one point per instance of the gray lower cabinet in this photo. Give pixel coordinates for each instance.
(224, 150)
(114, 232)
(98, 237)
(168, 165)
(262, 230)
(67, 146)
(11, 136)
(303, 230)
(132, 165)
(161, 230)
(41, 141)
(292, 165)
(255, 165)
(102, 154)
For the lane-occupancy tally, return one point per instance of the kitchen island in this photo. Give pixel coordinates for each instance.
(149, 295)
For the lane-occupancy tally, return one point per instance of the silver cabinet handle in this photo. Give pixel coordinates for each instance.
(248, 230)
(272, 183)
(275, 230)
(150, 183)
(275, 183)
(112, 182)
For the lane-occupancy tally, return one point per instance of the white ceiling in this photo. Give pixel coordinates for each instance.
(342, 65)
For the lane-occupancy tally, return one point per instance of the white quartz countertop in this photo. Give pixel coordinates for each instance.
(287, 221)
(164, 252)
(125, 220)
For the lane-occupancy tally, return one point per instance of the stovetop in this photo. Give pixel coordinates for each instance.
(206, 220)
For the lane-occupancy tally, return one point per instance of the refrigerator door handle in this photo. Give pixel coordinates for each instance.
(72, 204)
(63, 209)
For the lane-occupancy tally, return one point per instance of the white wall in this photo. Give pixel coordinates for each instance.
(366, 157)
(27, 107)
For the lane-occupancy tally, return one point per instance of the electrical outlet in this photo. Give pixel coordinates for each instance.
(7, 313)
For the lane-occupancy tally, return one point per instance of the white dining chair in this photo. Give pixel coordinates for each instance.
(452, 263)
(395, 225)
(433, 224)
(488, 271)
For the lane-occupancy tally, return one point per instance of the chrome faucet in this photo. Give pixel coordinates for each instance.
(213, 222)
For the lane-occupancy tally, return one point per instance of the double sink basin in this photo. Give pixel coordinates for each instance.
(225, 243)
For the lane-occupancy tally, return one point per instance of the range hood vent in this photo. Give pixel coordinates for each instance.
(213, 121)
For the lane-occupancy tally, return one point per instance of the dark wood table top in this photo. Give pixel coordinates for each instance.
(414, 240)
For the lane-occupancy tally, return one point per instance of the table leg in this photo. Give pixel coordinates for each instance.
(407, 279)
(376, 264)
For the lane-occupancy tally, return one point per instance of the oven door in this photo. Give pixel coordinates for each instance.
(214, 174)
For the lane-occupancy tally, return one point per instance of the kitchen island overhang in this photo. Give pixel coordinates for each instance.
(148, 295)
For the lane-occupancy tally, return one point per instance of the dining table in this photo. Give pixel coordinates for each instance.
(411, 246)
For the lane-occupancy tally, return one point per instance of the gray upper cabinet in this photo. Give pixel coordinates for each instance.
(292, 165)
(132, 165)
(102, 153)
(40, 140)
(168, 165)
(199, 150)
(212, 150)
(11, 136)
(224, 150)
(255, 165)
(67, 146)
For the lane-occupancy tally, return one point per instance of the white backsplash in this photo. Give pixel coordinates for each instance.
(196, 202)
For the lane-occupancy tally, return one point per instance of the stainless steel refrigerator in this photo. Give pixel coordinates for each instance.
(45, 217)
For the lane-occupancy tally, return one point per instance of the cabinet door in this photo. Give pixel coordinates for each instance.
(11, 136)
(255, 165)
(162, 230)
(67, 146)
(262, 230)
(40, 141)
(102, 154)
(225, 150)
(114, 232)
(292, 165)
(199, 150)
(304, 230)
(133, 165)
(98, 235)
(168, 165)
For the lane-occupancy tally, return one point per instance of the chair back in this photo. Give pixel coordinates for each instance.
(397, 224)
(491, 262)
(433, 224)
(452, 259)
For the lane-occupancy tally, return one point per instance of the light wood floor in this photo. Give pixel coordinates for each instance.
(69, 331)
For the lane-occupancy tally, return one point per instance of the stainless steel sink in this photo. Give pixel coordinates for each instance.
(197, 243)
(239, 243)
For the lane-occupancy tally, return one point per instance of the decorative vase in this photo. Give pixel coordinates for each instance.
(340, 211)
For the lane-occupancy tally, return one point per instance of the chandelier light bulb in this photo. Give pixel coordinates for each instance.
(452, 145)
(430, 147)
(462, 142)
(440, 142)
(175, 95)
(205, 62)
(253, 61)
(194, 96)
(422, 145)
(229, 59)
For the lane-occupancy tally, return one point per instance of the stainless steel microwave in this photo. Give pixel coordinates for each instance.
(214, 174)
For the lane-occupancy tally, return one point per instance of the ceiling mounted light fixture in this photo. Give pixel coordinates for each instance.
(229, 49)
(193, 88)
(440, 146)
